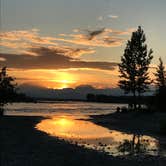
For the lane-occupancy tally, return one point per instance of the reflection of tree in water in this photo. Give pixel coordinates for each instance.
(135, 146)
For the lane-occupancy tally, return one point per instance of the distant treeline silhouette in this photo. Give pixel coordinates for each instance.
(116, 99)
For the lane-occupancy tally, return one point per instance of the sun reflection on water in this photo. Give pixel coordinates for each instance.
(70, 128)
(96, 137)
(63, 122)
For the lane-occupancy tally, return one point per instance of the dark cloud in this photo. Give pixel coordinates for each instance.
(49, 58)
(92, 34)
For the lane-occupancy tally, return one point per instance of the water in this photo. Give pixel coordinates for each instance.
(68, 120)
(89, 135)
(61, 108)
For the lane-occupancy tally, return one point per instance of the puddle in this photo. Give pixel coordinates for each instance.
(92, 136)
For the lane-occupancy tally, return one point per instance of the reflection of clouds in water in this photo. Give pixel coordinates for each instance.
(92, 136)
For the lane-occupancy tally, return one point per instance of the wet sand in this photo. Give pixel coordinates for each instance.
(22, 145)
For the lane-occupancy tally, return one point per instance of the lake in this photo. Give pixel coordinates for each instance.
(69, 121)
(67, 108)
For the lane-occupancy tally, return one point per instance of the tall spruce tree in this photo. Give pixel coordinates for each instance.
(160, 75)
(134, 65)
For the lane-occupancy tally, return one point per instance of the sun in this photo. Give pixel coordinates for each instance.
(65, 81)
(63, 86)
(62, 80)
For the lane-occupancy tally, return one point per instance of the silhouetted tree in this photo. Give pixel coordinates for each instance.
(134, 65)
(160, 75)
(7, 89)
(161, 86)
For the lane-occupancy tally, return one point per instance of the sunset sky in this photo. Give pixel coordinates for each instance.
(66, 43)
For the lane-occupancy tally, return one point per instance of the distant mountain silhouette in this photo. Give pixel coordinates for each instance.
(78, 93)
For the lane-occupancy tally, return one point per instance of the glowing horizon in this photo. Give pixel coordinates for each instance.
(67, 47)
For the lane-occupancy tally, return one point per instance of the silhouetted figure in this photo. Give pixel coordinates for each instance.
(118, 109)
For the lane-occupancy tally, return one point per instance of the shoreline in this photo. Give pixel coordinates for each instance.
(21, 144)
(132, 123)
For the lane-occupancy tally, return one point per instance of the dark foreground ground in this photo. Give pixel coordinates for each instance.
(143, 123)
(22, 145)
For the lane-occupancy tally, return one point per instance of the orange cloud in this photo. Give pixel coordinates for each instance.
(24, 41)
(73, 45)
(31, 36)
(104, 37)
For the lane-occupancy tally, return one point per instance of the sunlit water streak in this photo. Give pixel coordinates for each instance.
(64, 122)
(61, 108)
(89, 135)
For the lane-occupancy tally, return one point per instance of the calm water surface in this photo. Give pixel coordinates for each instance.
(65, 121)
(89, 135)
(61, 108)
